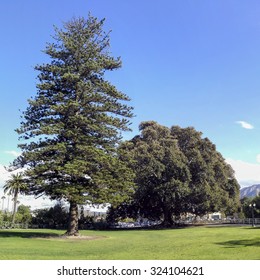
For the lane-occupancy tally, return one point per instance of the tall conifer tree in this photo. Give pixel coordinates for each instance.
(72, 126)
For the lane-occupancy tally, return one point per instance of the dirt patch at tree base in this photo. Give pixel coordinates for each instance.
(68, 237)
(80, 237)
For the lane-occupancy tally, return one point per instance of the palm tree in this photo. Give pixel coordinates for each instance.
(3, 198)
(14, 186)
(8, 202)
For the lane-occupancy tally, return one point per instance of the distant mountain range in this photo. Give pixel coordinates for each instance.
(250, 191)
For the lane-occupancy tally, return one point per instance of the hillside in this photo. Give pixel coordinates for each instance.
(250, 191)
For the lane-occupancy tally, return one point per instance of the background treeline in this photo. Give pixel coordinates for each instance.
(56, 217)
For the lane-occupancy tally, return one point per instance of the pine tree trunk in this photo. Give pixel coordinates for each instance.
(73, 220)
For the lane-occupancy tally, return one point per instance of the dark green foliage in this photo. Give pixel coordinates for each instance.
(54, 217)
(73, 125)
(247, 210)
(86, 222)
(213, 185)
(177, 172)
(23, 218)
(125, 210)
(162, 175)
(23, 214)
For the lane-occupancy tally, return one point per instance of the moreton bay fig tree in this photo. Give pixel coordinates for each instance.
(162, 173)
(178, 173)
(72, 126)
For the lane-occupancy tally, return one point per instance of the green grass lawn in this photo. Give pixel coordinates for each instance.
(191, 243)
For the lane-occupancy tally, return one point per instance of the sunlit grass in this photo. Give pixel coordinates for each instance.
(192, 243)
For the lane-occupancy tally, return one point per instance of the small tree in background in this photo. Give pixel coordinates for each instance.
(24, 215)
(53, 217)
(14, 186)
(247, 210)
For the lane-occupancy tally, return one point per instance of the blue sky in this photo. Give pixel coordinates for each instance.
(186, 63)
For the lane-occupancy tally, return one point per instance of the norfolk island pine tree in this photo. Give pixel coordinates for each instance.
(71, 128)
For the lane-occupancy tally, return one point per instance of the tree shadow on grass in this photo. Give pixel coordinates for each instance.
(244, 242)
(245, 226)
(27, 234)
(143, 228)
(241, 243)
(254, 228)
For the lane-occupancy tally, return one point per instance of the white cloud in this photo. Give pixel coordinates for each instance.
(245, 125)
(13, 153)
(42, 202)
(258, 158)
(246, 173)
(3, 175)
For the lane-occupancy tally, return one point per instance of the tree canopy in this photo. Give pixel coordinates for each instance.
(71, 128)
(213, 185)
(177, 172)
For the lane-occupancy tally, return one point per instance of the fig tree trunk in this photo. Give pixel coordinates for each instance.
(167, 218)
